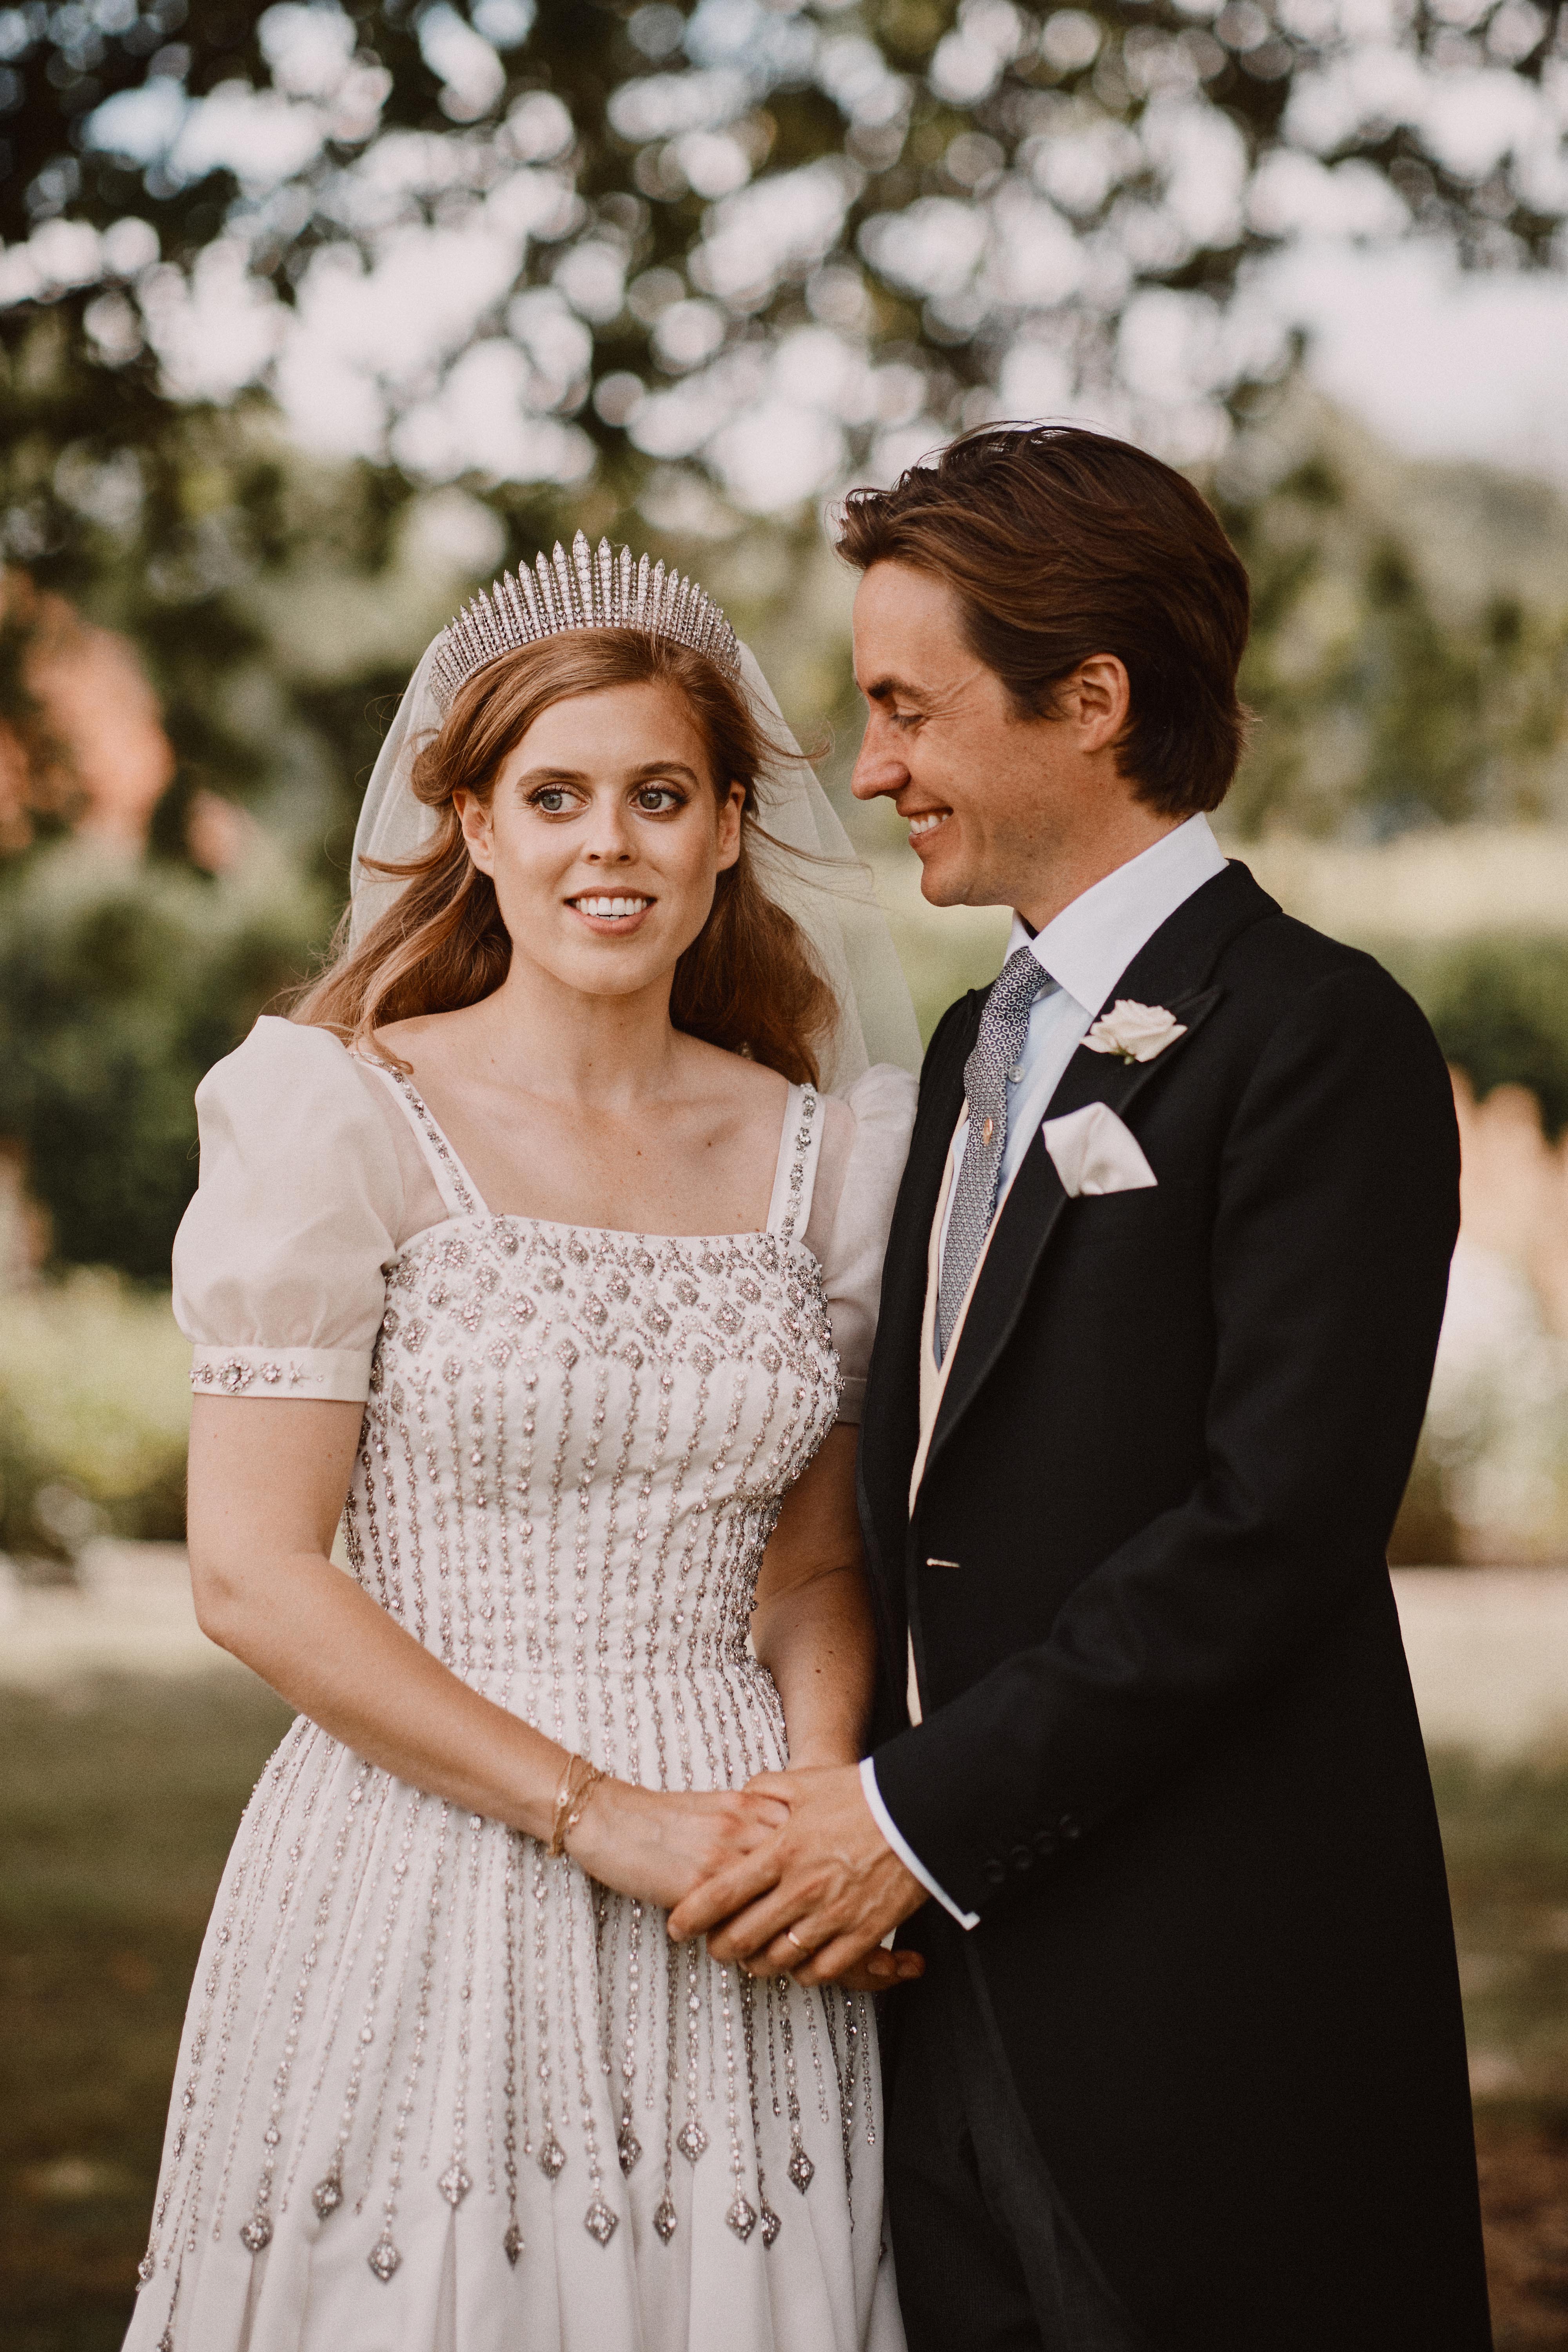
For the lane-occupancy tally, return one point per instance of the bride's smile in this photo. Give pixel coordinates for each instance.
(606, 836)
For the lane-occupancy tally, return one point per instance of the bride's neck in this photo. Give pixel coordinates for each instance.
(536, 1033)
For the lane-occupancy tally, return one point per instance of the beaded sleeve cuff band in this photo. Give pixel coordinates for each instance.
(340, 1375)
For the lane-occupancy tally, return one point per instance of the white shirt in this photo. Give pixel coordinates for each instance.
(1085, 949)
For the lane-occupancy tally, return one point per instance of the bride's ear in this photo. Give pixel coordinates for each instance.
(474, 817)
(732, 809)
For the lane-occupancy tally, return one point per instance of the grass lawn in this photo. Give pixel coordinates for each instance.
(116, 1811)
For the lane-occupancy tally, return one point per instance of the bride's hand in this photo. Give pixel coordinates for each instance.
(658, 1843)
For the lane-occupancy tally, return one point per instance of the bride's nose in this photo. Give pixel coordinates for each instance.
(609, 840)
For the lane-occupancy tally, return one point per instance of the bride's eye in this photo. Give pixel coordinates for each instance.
(550, 799)
(658, 800)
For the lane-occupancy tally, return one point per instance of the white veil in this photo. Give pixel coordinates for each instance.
(827, 889)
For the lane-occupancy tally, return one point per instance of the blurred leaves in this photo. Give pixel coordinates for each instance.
(1392, 689)
(1499, 1008)
(531, 240)
(94, 1413)
(119, 989)
(584, 257)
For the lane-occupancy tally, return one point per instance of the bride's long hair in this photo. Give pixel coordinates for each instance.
(747, 982)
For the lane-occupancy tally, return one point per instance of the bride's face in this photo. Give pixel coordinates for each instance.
(605, 837)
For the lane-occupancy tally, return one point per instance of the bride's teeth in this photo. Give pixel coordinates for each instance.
(606, 909)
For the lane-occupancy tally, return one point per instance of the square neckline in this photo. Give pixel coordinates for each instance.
(460, 1196)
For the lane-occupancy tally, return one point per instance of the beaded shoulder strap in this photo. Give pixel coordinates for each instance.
(799, 1149)
(453, 1181)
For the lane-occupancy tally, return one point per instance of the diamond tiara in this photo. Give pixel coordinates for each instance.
(605, 588)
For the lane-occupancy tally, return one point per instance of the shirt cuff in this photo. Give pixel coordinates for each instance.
(905, 1851)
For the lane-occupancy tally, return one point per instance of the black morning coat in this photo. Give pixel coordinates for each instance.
(1170, 1752)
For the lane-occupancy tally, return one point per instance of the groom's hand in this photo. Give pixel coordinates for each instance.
(817, 1899)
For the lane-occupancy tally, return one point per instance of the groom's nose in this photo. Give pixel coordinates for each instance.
(880, 766)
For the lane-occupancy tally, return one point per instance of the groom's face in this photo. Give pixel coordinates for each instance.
(987, 794)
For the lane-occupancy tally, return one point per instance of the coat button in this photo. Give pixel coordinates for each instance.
(996, 1874)
(1067, 1826)
(1022, 1858)
(1044, 1842)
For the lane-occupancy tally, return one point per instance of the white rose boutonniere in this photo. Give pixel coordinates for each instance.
(1135, 1033)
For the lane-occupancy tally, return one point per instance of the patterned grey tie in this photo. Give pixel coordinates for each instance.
(1003, 1026)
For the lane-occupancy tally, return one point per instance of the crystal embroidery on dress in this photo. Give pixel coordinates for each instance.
(576, 1445)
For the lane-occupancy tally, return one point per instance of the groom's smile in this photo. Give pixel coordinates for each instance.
(1004, 805)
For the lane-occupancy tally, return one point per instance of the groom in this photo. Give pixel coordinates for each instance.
(1186, 2070)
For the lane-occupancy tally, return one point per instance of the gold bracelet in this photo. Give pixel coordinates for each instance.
(577, 1784)
(592, 1776)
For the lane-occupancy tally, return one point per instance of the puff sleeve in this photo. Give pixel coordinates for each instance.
(861, 1188)
(281, 1259)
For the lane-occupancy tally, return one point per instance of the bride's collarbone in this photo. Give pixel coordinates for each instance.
(696, 1153)
(689, 1168)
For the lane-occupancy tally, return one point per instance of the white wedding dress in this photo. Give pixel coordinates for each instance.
(436, 2091)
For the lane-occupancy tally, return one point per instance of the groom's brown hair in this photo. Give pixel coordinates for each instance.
(1060, 543)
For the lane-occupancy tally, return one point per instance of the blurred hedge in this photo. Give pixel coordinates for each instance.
(1499, 1007)
(120, 984)
(94, 1410)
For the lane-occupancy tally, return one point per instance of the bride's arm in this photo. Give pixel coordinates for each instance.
(811, 1626)
(267, 1481)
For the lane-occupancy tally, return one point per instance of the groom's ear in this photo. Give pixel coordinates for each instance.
(1096, 699)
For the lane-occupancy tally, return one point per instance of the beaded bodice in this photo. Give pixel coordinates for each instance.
(575, 1448)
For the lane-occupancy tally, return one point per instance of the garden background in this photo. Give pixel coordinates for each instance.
(312, 317)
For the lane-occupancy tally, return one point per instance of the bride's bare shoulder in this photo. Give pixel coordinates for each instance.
(402, 1041)
(748, 1088)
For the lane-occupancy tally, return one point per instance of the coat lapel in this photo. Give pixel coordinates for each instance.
(1032, 1212)
(890, 1430)
(1171, 970)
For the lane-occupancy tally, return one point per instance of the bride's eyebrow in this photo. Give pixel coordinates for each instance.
(651, 767)
(533, 779)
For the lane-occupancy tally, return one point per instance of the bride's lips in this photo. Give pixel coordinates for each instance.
(614, 914)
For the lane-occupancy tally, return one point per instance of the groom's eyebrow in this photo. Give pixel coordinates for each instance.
(886, 689)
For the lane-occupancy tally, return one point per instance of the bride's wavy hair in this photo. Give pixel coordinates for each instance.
(747, 982)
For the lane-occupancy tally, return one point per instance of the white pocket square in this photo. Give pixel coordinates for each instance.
(1093, 1152)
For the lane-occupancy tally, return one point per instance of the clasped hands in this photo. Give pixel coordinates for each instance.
(814, 1891)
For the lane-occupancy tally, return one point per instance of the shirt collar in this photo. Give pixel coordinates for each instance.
(1088, 947)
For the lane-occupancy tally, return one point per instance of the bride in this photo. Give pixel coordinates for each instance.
(531, 1250)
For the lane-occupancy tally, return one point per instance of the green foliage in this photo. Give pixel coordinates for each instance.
(163, 516)
(120, 986)
(1388, 694)
(94, 1412)
(1499, 1008)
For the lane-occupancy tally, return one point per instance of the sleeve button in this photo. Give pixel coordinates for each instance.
(996, 1874)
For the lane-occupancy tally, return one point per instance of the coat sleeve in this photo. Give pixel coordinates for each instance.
(1337, 1212)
